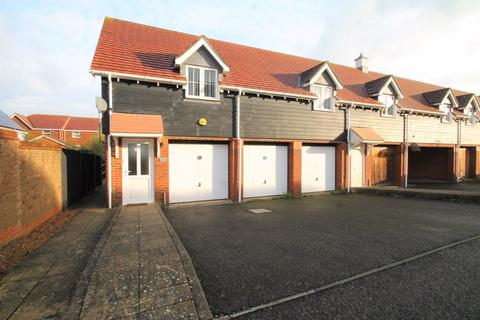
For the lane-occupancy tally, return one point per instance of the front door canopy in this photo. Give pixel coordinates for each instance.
(364, 135)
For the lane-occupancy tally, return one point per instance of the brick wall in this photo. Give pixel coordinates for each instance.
(85, 139)
(31, 185)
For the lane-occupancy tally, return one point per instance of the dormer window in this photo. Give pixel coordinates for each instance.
(446, 108)
(324, 101)
(389, 103)
(469, 111)
(202, 83)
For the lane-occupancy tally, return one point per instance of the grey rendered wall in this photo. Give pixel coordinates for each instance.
(280, 119)
(180, 116)
(390, 128)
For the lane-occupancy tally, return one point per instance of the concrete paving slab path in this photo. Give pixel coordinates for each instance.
(142, 272)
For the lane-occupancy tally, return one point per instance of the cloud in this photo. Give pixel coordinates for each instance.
(47, 46)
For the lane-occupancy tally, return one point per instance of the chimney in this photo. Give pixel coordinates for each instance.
(361, 63)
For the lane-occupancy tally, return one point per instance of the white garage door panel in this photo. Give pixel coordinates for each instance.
(318, 168)
(265, 170)
(198, 172)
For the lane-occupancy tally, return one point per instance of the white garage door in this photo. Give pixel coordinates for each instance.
(265, 170)
(198, 172)
(318, 168)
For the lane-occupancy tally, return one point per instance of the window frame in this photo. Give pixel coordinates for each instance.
(316, 103)
(201, 81)
(47, 132)
(76, 134)
(385, 110)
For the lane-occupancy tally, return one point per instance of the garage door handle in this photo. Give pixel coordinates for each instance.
(199, 184)
(264, 181)
(316, 179)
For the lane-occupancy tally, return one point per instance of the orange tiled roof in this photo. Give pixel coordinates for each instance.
(59, 122)
(127, 47)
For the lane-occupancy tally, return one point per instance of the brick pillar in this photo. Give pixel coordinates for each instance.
(116, 174)
(399, 166)
(233, 166)
(295, 167)
(341, 166)
(161, 172)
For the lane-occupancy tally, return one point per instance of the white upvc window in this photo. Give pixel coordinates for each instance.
(324, 100)
(389, 103)
(75, 134)
(202, 83)
(46, 132)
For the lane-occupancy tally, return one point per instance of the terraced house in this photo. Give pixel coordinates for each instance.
(192, 119)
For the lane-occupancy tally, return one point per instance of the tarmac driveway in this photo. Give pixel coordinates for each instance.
(246, 260)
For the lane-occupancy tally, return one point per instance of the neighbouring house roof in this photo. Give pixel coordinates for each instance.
(58, 122)
(6, 122)
(136, 124)
(81, 123)
(367, 134)
(135, 49)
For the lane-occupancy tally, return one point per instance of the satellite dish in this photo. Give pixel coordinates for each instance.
(101, 104)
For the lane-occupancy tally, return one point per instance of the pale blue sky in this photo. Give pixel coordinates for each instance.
(46, 46)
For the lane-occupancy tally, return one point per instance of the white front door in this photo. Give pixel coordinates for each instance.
(356, 167)
(198, 172)
(265, 170)
(318, 168)
(137, 171)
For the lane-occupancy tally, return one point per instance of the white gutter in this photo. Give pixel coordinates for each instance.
(413, 111)
(239, 141)
(136, 77)
(349, 159)
(378, 106)
(269, 93)
(110, 107)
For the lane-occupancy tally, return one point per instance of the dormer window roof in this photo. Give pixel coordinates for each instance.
(379, 87)
(314, 74)
(202, 42)
(439, 97)
(468, 100)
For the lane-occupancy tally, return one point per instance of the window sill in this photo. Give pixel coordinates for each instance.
(322, 110)
(202, 101)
